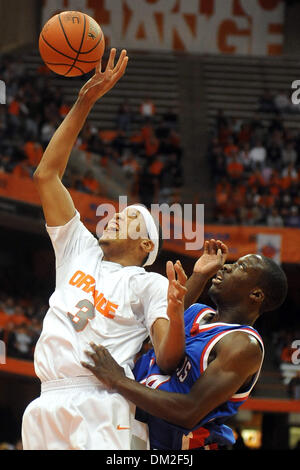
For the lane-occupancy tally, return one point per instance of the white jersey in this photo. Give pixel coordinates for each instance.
(94, 300)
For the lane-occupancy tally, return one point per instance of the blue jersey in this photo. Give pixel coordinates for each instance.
(200, 340)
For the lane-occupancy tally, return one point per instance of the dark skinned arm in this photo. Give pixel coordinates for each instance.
(238, 356)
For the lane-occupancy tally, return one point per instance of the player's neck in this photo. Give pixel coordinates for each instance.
(123, 261)
(120, 255)
(234, 315)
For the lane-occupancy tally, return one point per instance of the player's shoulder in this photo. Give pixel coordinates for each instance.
(195, 315)
(144, 275)
(143, 280)
(198, 308)
(243, 344)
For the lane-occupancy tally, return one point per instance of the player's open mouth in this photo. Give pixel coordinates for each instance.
(217, 279)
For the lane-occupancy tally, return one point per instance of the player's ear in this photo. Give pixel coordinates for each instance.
(147, 245)
(257, 295)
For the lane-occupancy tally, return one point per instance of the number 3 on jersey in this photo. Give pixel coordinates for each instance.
(85, 313)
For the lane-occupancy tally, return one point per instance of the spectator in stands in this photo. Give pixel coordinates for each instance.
(23, 169)
(223, 190)
(289, 175)
(132, 168)
(20, 343)
(230, 149)
(33, 151)
(274, 150)
(151, 144)
(255, 179)
(235, 168)
(124, 116)
(90, 183)
(245, 134)
(274, 219)
(282, 102)
(257, 128)
(258, 153)
(266, 174)
(217, 161)
(47, 130)
(289, 154)
(147, 109)
(19, 317)
(6, 164)
(293, 218)
(8, 306)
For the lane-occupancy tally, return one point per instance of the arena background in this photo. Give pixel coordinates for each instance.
(207, 94)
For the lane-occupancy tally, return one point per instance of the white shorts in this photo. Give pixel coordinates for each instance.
(79, 414)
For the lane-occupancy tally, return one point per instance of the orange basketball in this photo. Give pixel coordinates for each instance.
(71, 43)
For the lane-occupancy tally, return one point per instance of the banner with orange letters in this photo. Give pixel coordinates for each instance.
(245, 27)
(280, 243)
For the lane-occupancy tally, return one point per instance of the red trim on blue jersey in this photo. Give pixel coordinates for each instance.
(148, 382)
(240, 399)
(195, 328)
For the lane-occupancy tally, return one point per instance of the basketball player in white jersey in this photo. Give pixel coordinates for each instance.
(103, 294)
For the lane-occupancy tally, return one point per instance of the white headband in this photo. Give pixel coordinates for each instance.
(152, 232)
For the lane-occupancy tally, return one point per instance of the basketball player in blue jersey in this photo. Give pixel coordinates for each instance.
(223, 357)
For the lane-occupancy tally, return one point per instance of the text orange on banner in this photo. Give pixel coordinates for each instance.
(241, 240)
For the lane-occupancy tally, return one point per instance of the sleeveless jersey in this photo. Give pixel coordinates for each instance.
(200, 340)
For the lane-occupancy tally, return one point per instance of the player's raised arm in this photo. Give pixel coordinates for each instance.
(57, 203)
(213, 258)
(168, 337)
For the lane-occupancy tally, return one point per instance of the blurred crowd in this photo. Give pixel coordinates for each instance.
(255, 168)
(144, 144)
(20, 325)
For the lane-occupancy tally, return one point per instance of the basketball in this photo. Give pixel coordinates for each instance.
(71, 43)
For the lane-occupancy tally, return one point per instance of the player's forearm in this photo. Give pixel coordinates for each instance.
(172, 346)
(195, 286)
(57, 153)
(172, 407)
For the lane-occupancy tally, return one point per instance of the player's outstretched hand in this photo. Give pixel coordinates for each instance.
(105, 368)
(177, 290)
(213, 258)
(103, 81)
